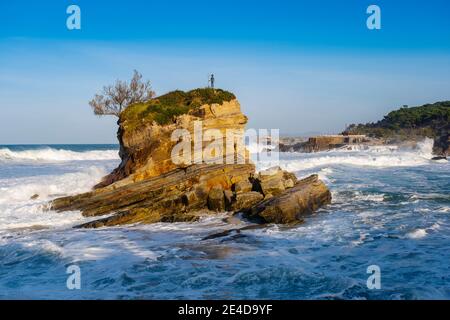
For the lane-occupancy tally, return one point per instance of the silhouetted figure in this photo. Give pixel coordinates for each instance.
(211, 81)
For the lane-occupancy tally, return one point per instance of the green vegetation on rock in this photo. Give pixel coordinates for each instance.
(427, 120)
(412, 124)
(165, 108)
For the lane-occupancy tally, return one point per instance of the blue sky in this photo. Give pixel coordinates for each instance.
(300, 66)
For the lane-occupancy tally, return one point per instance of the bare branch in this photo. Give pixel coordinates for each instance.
(115, 98)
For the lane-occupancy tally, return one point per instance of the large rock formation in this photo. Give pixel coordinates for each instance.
(146, 146)
(148, 186)
(178, 195)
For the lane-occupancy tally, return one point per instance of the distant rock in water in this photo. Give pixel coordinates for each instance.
(326, 142)
(439, 158)
(405, 127)
(149, 187)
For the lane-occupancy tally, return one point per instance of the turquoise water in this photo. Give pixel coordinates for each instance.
(390, 208)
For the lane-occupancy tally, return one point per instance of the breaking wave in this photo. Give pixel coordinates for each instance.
(376, 157)
(51, 154)
(391, 216)
(18, 210)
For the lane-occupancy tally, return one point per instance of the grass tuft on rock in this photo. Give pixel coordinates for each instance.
(165, 108)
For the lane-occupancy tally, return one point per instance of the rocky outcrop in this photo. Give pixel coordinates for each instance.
(274, 181)
(442, 142)
(145, 147)
(187, 194)
(179, 195)
(149, 187)
(305, 197)
(246, 200)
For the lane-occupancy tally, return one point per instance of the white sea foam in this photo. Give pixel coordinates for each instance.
(375, 157)
(17, 210)
(48, 186)
(417, 234)
(50, 154)
(174, 259)
(362, 147)
(362, 160)
(444, 209)
(425, 148)
(369, 197)
(423, 232)
(324, 174)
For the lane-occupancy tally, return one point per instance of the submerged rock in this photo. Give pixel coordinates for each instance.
(439, 158)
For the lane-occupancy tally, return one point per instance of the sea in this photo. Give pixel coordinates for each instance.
(389, 219)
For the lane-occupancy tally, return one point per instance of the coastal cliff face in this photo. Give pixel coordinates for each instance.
(148, 186)
(146, 146)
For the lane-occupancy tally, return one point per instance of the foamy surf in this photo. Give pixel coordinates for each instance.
(51, 154)
(19, 210)
(417, 234)
(388, 211)
(372, 156)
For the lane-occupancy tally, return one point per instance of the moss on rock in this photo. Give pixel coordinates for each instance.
(165, 108)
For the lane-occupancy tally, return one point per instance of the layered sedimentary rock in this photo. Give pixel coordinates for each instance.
(149, 186)
(178, 195)
(145, 147)
(306, 196)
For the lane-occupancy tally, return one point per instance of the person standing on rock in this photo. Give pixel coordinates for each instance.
(211, 81)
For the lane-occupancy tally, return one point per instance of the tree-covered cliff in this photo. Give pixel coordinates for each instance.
(429, 120)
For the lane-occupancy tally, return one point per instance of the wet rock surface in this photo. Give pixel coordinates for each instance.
(305, 197)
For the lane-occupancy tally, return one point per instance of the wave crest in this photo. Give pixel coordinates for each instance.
(51, 154)
(360, 156)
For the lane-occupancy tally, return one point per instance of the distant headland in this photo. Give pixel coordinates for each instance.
(405, 126)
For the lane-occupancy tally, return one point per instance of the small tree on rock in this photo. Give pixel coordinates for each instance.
(115, 98)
